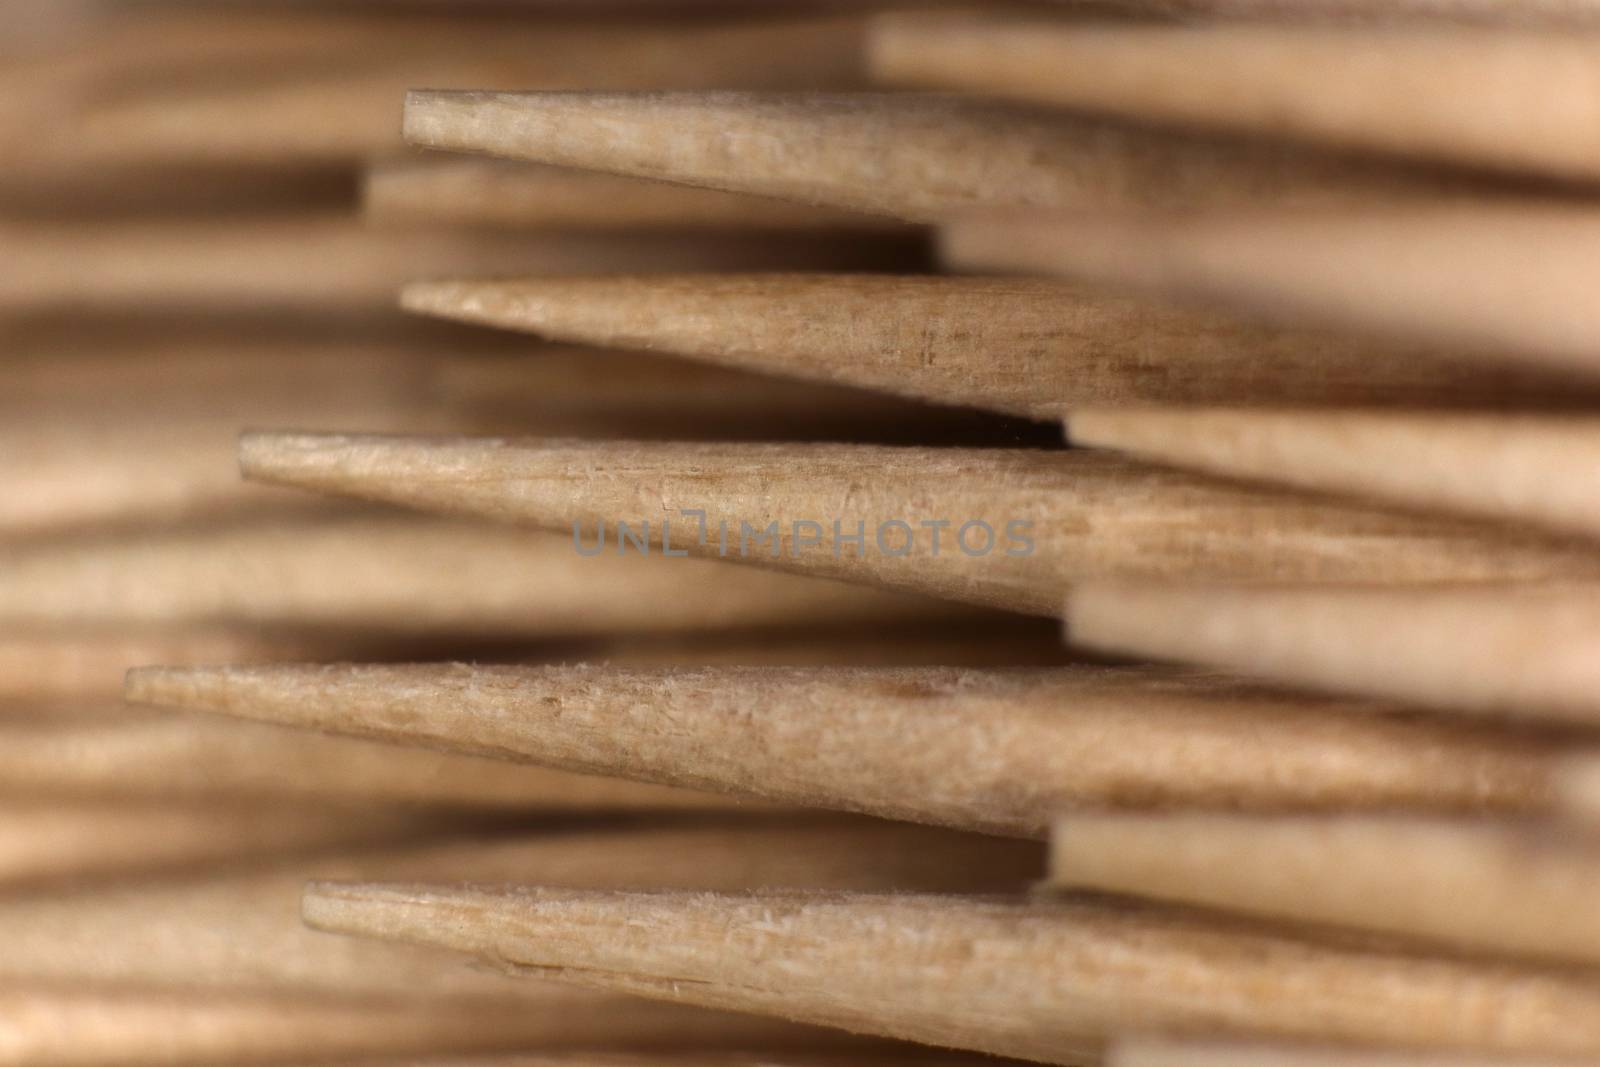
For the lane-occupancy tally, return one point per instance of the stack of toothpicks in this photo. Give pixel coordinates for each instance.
(579, 496)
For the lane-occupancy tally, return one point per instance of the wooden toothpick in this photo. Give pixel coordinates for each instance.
(1509, 650)
(1054, 518)
(395, 574)
(1516, 467)
(1522, 101)
(1029, 348)
(995, 751)
(1515, 890)
(239, 930)
(1045, 980)
(1507, 283)
(874, 152)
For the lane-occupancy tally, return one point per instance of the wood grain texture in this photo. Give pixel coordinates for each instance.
(1511, 283)
(1044, 980)
(1520, 468)
(396, 574)
(875, 152)
(1091, 515)
(1522, 891)
(1521, 101)
(240, 931)
(992, 751)
(1508, 650)
(1028, 348)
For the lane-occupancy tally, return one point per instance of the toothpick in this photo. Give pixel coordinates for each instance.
(1508, 284)
(1505, 888)
(1515, 467)
(1520, 101)
(1507, 650)
(1042, 980)
(1054, 518)
(1028, 348)
(240, 931)
(398, 575)
(992, 751)
(875, 152)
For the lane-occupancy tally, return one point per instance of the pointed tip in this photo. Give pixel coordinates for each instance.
(333, 907)
(361, 909)
(306, 460)
(282, 694)
(459, 918)
(209, 689)
(430, 117)
(370, 907)
(158, 686)
(440, 299)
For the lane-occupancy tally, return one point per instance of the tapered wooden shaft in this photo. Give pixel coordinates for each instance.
(1521, 651)
(995, 751)
(1521, 101)
(1508, 284)
(399, 575)
(240, 931)
(1521, 468)
(1018, 527)
(875, 152)
(1042, 980)
(1505, 888)
(1022, 347)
